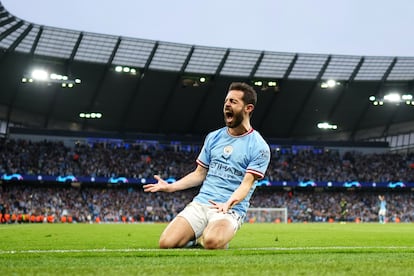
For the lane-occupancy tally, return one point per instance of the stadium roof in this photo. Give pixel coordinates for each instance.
(145, 86)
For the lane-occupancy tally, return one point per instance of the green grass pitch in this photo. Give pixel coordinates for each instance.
(257, 249)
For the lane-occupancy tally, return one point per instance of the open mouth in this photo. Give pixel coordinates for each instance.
(228, 115)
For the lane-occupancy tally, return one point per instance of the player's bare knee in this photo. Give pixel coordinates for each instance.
(165, 243)
(213, 243)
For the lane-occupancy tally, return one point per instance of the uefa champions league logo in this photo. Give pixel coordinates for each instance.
(227, 151)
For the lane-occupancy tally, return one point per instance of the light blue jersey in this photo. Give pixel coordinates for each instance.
(383, 205)
(383, 210)
(228, 158)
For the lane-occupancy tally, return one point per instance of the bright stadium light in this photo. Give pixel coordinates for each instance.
(90, 115)
(40, 75)
(325, 125)
(329, 84)
(125, 70)
(394, 97)
(43, 76)
(194, 81)
(266, 85)
(407, 97)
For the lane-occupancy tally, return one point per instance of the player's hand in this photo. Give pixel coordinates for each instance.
(160, 186)
(221, 207)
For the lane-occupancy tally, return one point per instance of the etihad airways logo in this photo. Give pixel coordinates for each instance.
(224, 170)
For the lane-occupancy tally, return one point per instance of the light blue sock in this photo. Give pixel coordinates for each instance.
(190, 243)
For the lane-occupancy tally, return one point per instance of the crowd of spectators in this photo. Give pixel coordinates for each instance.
(109, 204)
(330, 165)
(324, 206)
(98, 159)
(91, 204)
(131, 204)
(144, 160)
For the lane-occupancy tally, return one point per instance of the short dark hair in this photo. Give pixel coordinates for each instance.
(250, 95)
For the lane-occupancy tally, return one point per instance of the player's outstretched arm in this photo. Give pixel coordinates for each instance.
(160, 186)
(192, 179)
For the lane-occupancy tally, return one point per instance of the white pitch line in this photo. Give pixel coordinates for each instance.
(126, 250)
(328, 248)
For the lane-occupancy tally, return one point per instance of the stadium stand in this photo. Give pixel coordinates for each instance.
(126, 202)
(77, 146)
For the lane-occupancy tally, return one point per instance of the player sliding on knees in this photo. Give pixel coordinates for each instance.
(231, 160)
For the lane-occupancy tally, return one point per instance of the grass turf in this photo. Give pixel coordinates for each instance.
(257, 249)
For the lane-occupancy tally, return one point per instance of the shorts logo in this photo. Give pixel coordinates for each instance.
(227, 151)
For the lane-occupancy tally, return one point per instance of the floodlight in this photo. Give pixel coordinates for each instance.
(392, 97)
(39, 74)
(323, 125)
(407, 97)
(93, 115)
(326, 125)
(331, 83)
